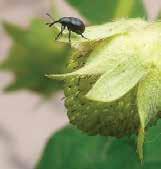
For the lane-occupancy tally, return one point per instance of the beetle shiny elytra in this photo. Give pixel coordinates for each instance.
(71, 23)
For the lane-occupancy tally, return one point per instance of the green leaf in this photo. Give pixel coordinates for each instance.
(158, 16)
(72, 149)
(14, 31)
(113, 85)
(101, 11)
(149, 102)
(33, 54)
(152, 144)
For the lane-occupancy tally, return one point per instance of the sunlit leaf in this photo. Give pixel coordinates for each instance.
(113, 85)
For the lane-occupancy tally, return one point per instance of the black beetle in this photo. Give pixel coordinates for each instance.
(72, 24)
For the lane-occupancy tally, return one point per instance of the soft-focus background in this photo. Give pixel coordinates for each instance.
(27, 118)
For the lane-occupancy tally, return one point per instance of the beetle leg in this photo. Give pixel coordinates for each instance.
(83, 36)
(60, 33)
(70, 36)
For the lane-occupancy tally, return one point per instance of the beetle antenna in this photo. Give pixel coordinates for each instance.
(51, 23)
(50, 16)
(83, 36)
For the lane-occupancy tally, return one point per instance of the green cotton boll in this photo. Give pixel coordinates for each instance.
(100, 118)
(114, 88)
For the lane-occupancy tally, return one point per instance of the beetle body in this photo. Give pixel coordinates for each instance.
(71, 23)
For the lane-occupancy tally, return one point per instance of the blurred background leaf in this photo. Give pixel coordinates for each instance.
(99, 11)
(159, 15)
(72, 149)
(33, 54)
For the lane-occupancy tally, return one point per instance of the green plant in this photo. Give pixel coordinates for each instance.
(113, 89)
(115, 86)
